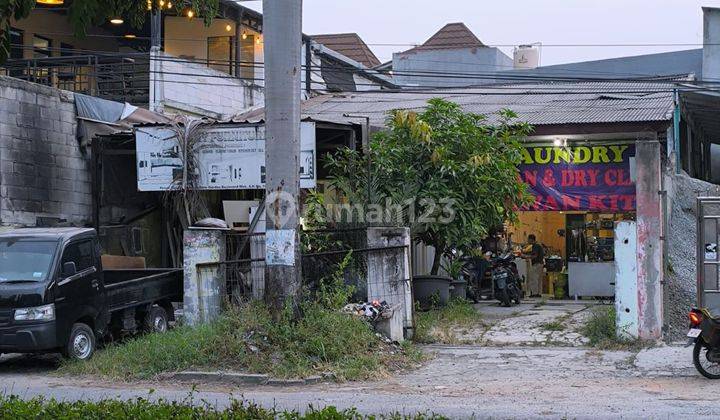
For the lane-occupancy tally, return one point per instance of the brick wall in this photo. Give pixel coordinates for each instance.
(43, 172)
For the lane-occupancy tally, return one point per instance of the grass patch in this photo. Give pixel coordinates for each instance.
(247, 339)
(600, 329)
(556, 325)
(13, 407)
(441, 325)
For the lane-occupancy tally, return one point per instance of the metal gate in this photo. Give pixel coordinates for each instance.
(708, 263)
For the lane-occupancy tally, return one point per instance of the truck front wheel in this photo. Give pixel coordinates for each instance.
(81, 344)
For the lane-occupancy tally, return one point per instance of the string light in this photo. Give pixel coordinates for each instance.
(244, 35)
(190, 13)
(228, 27)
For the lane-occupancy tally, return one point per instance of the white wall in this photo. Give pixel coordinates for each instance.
(184, 87)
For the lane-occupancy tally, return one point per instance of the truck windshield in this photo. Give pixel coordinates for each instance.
(25, 260)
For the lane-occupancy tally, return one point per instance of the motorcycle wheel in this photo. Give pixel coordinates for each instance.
(504, 297)
(700, 356)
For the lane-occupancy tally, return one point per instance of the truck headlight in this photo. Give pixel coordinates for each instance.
(39, 313)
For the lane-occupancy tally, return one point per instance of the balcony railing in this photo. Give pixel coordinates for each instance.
(117, 77)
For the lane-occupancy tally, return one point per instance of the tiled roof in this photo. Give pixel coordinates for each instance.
(350, 45)
(451, 36)
(535, 103)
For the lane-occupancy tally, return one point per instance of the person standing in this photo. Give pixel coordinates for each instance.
(537, 263)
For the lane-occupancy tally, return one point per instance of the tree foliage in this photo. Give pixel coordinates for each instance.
(83, 14)
(438, 158)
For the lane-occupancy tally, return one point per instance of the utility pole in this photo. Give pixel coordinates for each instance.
(282, 30)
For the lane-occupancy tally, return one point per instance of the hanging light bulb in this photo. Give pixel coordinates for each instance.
(169, 5)
(244, 35)
(162, 3)
(258, 40)
(228, 27)
(149, 5)
(117, 21)
(190, 13)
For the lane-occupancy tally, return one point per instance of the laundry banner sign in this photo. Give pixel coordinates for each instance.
(585, 178)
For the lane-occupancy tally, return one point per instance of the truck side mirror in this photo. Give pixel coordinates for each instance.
(69, 269)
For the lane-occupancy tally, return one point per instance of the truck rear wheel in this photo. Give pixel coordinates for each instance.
(156, 321)
(81, 344)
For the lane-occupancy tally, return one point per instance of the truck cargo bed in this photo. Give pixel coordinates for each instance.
(128, 288)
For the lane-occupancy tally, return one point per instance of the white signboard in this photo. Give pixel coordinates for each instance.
(230, 157)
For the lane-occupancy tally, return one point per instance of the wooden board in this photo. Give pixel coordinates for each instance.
(119, 262)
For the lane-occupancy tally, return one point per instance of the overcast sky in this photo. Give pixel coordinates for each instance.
(513, 22)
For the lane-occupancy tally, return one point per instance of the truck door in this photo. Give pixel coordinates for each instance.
(78, 295)
(708, 261)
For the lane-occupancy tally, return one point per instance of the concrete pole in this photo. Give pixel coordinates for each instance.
(282, 29)
(650, 264)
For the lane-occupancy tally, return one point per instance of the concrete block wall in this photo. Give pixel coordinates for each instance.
(196, 89)
(43, 172)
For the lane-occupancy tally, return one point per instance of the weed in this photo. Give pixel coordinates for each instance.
(141, 408)
(440, 325)
(556, 325)
(247, 339)
(601, 330)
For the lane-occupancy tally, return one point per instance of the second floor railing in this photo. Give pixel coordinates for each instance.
(117, 77)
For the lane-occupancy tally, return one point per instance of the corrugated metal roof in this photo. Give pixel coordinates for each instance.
(537, 103)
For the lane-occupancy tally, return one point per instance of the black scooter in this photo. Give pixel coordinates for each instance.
(496, 278)
(506, 280)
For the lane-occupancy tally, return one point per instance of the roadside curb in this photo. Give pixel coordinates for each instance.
(235, 378)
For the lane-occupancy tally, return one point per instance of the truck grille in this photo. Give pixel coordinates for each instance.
(5, 316)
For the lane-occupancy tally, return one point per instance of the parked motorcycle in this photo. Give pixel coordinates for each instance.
(705, 335)
(506, 280)
(494, 278)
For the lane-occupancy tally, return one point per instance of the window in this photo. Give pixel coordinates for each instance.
(25, 260)
(41, 47)
(220, 53)
(81, 253)
(16, 43)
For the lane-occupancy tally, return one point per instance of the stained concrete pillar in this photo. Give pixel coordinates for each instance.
(649, 239)
(204, 286)
(388, 270)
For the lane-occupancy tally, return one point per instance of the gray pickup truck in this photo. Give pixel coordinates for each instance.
(56, 297)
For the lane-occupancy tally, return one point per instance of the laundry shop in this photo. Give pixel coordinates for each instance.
(581, 191)
(599, 164)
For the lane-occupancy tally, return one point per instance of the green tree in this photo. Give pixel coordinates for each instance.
(451, 169)
(85, 13)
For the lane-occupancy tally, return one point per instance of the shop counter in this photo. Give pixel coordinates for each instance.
(591, 279)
